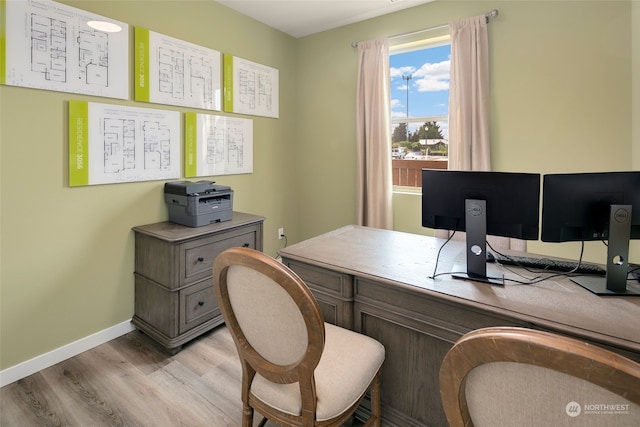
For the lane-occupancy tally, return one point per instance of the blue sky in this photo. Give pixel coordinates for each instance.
(429, 85)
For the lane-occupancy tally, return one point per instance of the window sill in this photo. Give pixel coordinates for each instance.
(415, 191)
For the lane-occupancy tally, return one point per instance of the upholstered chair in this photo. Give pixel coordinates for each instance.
(297, 370)
(522, 377)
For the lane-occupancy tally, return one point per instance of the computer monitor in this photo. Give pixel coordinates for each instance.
(595, 206)
(480, 203)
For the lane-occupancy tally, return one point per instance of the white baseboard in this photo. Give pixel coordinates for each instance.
(65, 352)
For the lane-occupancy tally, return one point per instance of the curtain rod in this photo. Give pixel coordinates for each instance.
(488, 16)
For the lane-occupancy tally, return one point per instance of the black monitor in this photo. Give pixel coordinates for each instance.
(595, 206)
(498, 203)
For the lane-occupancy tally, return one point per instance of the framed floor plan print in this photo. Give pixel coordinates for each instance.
(250, 88)
(217, 145)
(115, 143)
(175, 72)
(50, 46)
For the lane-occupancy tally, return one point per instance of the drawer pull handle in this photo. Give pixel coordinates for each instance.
(200, 259)
(246, 245)
(200, 303)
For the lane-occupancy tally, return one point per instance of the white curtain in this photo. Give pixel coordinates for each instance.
(469, 147)
(469, 95)
(373, 135)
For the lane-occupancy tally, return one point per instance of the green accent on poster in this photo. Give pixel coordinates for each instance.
(78, 143)
(228, 82)
(141, 64)
(3, 42)
(190, 144)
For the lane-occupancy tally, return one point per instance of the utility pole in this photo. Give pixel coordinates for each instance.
(407, 77)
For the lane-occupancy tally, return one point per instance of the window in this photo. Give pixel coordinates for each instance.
(420, 71)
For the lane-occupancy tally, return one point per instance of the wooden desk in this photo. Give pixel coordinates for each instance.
(377, 282)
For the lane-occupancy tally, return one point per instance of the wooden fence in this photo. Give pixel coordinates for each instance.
(409, 172)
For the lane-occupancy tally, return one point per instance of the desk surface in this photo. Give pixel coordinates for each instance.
(408, 260)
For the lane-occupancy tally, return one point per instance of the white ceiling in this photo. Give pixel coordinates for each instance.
(300, 18)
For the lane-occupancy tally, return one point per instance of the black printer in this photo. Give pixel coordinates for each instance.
(195, 204)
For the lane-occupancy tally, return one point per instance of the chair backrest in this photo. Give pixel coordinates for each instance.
(524, 377)
(273, 318)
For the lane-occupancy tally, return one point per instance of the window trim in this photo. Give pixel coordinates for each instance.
(403, 189)
(424, 119)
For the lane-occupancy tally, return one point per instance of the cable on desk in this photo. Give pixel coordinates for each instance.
(529, 268)
(434, 275)
(527, 281)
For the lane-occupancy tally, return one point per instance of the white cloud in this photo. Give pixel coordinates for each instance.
(428, 85)
(433, 77)
(395, 103)
(402, 71)
(444, 129)
(438, 70)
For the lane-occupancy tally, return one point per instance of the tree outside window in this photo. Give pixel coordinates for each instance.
(419, 109)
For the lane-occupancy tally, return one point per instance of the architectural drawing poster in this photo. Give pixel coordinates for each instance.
(250, 88)
(49, 46)
(116, 143)
(217, 145)
(175, 72)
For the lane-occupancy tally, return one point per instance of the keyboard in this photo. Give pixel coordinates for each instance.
(547, 264)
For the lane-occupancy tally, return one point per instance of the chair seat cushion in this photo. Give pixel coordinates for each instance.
(348, 364)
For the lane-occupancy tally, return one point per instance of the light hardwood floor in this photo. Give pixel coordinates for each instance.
(130, 381)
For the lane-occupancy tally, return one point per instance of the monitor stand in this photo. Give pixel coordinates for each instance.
(476, 230)
(615, 282)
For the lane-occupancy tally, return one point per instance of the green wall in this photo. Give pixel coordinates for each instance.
(561, 81)
(560, 100)
(68, 253)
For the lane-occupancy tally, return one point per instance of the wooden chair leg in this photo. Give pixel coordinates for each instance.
(247, 416)
(375, 400)
(376, 410)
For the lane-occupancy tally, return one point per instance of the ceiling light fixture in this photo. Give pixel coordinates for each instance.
(107, 27)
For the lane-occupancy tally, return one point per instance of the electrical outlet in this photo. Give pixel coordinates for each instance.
(280, 233)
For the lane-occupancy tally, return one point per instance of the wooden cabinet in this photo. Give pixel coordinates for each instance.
(174, 297)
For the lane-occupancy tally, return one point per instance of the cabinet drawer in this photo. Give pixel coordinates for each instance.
(325, 281)
(197, 305)
(197, 256)
(333, 292)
